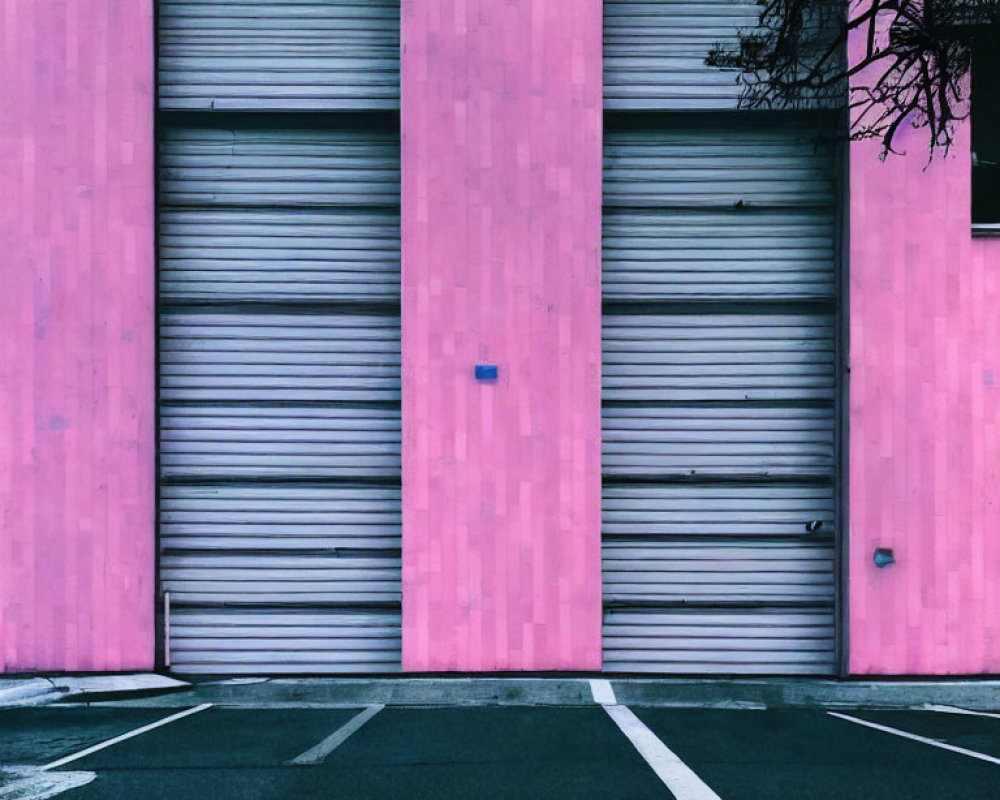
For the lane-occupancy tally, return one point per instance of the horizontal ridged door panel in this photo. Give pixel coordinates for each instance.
(719, 396)
(655, 54)
(655, 51)
(718, 357)
(279, 382)
(738, 167)
(699, 641)
(718, 571)
(254, 165)
(232, 357)
(767, 254)
(278, 54)
(685, 510)
(253, 641)
(669, 441)
(275, 441)
(234, 579)
(280, 517)
(279, 255)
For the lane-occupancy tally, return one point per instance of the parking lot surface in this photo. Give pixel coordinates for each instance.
(499, 752)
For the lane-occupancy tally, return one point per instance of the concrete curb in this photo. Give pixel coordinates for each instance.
(35, 700)
(678, 693)
(20, 692)
(787, 693)
(23, 690)
(34, 783)
(107, 687)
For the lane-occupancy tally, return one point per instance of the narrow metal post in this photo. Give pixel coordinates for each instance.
(166, 629)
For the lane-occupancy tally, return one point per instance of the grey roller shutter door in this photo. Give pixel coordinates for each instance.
(279, 389)
(283, 255)
(719, 395)
(278, 54)
(695, 641)
(655, 51)
(255, 162)
(717, 255)
(655, 54)
(285, 642)
(264, 356)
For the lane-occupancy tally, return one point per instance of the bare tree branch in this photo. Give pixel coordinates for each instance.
(910, 66)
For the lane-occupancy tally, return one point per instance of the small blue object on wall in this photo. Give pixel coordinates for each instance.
(486, 372)
(884, 557)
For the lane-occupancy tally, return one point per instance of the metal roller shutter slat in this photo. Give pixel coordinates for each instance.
(265, 577)
(701, 400)
(225, 54)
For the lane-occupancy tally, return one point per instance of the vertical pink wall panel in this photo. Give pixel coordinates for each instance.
(924, 417)
(76, 335)
(501, 131)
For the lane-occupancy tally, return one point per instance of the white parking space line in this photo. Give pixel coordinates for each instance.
(603, 692)
(316, 755)
(957, 710)
(130, 735)
(677, 776)
(916, 738)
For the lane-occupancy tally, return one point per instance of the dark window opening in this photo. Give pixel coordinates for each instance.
(986, 139)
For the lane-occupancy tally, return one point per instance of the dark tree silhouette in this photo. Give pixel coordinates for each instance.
(911, 62)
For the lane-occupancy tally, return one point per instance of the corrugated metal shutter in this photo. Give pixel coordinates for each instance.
(308, 516)
(278, 54)
(230, 357)
(294, 641)
(675, 162)
(719, 395)
(280, 255)
(747, 642)
(274, 441)
(734, 357)
(280, 387)
(655, 51)
(261, 162)
(717, 255)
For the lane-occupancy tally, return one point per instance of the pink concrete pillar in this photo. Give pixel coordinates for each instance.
(924, 416)
(501, 130)
(76, 335)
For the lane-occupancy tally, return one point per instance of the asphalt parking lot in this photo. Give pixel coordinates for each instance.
(496, 752)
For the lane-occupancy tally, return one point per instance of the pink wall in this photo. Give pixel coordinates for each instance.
(76, 335)
(924, 417)
(501, 124)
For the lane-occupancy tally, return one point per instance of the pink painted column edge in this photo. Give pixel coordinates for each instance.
(501, 137)
(77, 355)
(924, 409)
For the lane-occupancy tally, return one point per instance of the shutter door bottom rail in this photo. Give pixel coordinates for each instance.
(279, 377)
(287, 640)
(722, 641)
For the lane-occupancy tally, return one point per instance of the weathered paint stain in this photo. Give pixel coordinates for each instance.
(76, 335)
(501, 127)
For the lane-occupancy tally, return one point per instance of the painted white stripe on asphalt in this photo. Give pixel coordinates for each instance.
(957, 710)
(316, 755)
(129, 735)
(916, 738)
(603, 692)
(677, 776)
